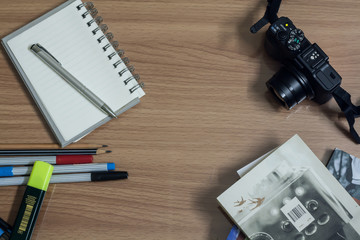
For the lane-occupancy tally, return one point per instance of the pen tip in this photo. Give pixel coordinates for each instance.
(105, 145)
(108, 151)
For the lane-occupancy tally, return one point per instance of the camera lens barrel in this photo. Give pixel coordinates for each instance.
(290, 86)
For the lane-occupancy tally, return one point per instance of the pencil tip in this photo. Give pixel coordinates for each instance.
(108, 151)
(105, 145)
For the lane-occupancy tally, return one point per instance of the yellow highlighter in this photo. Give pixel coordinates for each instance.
(31, 203)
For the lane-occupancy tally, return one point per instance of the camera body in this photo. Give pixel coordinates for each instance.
(307, 72)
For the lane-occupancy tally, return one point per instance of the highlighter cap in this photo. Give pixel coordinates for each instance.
(40, 175)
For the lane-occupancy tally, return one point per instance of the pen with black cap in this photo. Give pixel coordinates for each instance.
(69, 178)
(55, 65)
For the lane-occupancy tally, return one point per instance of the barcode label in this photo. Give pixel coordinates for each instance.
(297, 214)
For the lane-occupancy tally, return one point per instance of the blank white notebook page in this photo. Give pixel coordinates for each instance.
(71, 41)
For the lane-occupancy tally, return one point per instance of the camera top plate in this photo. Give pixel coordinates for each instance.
(287, 40)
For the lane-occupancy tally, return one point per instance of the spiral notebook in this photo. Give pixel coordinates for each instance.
(76, 37)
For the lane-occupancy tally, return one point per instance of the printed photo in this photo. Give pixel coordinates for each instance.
(346, 169)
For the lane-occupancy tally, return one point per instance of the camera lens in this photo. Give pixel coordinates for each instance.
(290, 86)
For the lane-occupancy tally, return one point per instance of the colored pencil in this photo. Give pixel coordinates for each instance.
(69, 178)
(71, 168)
(52, 152)
(59, 160)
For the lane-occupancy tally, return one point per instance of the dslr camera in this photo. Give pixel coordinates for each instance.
(306, 73)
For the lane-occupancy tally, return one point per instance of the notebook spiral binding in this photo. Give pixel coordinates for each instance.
(97, 20)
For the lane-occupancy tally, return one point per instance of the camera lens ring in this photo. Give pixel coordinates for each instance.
(303, 81)
(290, 86)
(281, 92)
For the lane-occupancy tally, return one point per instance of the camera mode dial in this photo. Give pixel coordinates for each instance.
(295, 38)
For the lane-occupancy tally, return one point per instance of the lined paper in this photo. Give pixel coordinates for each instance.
(68, 38)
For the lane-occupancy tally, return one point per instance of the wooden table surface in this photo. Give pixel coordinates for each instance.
(206, 113)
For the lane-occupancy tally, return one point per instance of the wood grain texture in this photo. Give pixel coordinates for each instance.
(207, 113)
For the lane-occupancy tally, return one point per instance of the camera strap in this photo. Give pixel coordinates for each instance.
(270, 15)
(351, 111)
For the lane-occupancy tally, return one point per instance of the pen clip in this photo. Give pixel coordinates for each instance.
(42, 49)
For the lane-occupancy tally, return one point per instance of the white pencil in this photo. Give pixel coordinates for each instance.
(69, 178)
(71, 168)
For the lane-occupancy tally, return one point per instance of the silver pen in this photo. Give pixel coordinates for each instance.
(54, 64)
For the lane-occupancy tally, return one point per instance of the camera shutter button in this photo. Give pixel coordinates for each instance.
(282, 35)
